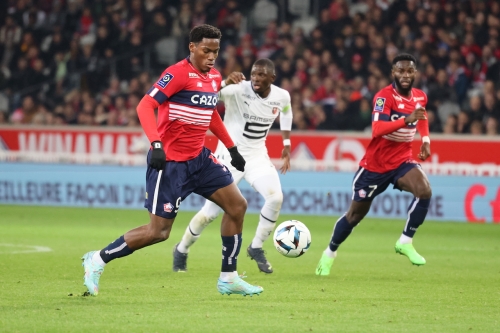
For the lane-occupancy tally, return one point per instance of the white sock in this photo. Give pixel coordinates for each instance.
(228, 276)
(97, 258)
(405, 239)
(264, 229)
(330, 253)
(198, 223)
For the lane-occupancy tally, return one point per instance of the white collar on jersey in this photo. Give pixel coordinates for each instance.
(194, 69)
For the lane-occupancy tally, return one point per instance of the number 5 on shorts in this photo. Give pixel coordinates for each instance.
(374, 187)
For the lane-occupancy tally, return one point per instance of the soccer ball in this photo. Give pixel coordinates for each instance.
(292, 238)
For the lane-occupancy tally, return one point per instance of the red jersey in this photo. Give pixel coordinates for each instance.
(187, 100)
(388, 150)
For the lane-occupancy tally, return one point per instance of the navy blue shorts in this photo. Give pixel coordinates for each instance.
(165, 190)
(367, 185)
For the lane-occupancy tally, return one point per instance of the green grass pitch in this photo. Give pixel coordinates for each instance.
(371, 289)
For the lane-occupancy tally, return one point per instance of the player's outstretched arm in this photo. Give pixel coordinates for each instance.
(233, 78)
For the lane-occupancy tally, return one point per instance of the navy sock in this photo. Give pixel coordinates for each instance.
(341, 231)
(117, 249)
(230, 249)
(416, 215)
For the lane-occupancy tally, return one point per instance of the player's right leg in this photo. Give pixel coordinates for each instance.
(366, 186)
(198, 223)
(162, 201)
(156, 231)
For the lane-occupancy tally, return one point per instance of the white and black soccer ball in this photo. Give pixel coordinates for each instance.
(292, 238)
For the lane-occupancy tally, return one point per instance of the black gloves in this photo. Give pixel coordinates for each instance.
(158, 158)
(236, 159)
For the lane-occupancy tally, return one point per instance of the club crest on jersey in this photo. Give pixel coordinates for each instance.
(214, 85)
(379, 104)
(275, 109)
(168, 207)
(165, 80)
(362, 193)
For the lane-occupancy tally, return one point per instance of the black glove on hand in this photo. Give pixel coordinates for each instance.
(236, 159)
(158, 158)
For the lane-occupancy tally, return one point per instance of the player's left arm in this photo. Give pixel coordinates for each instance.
(286, 118)
(423, 130)
(217, 127)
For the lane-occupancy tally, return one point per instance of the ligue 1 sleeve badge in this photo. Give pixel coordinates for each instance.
(165, 80)
(379, 104)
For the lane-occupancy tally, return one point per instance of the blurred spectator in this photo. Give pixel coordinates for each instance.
(229, 21)
(476, 127)
(492, 127)
(10, 35)
(88, 62)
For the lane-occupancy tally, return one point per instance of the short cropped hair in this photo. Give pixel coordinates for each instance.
(264, 62)
(404, 57)
(204, 31)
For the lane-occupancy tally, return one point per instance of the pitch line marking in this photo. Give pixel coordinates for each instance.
(24, 248)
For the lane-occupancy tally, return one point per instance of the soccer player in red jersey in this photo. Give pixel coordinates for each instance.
(178, 164)
(398, 112)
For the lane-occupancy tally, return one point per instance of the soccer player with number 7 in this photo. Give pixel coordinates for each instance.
(398, 112)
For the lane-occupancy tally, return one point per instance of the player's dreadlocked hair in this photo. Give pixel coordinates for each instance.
(204, 31)
(264, 62)
(403, 57)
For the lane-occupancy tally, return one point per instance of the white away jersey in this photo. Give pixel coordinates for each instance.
(248, 117)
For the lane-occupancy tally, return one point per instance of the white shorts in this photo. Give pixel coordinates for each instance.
(257, 165)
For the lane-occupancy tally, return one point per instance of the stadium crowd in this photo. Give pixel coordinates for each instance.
(89, 62)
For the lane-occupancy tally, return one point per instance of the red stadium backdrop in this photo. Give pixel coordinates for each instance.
(466, 155)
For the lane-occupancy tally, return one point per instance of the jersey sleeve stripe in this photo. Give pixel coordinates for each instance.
(156, 93)
(380, 116)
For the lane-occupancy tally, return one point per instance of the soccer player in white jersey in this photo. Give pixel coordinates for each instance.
(251, 108)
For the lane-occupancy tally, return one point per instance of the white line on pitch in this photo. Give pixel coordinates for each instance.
(25, 248)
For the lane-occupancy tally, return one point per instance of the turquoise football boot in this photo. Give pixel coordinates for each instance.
(93, 272)
(238, 286)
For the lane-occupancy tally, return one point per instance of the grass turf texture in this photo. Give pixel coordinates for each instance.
(371, 289)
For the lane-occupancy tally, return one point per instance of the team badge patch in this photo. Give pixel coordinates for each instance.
(214, 85)
(362, 193)
(379, 104)
(165, 80)
(168, 207)
(275, 109)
